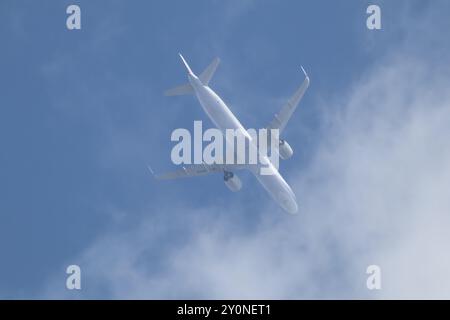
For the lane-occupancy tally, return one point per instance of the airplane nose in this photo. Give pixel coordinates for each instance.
(279, 190)
(288, 202)
(291, 206)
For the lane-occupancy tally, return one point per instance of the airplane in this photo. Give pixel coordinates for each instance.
(223, 119)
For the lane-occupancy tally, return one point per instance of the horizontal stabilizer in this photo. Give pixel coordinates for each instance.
(180, 90)
(208, 73)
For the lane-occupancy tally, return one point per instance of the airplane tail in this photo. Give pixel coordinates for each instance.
(186, 65)
(205, 77)
(180, 90)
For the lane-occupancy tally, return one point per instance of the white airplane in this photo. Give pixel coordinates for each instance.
(224, 119)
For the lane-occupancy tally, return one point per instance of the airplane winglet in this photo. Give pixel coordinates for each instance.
(151, 171)
(155, 176)
(304, 72)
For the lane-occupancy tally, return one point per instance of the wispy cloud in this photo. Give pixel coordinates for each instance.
(376, 191)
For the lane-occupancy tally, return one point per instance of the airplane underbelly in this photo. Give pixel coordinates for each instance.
(218, 112)
(224, 119)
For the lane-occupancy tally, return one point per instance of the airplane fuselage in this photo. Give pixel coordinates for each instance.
(223, 119)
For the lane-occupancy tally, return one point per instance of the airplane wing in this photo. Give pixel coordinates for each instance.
(194, 170)
(282, 117)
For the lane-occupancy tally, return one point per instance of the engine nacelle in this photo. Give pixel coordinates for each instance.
(232, 181)
(285, 150)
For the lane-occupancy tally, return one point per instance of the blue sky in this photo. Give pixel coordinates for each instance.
(82, 114)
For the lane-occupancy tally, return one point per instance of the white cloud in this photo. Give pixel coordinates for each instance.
(376, 192)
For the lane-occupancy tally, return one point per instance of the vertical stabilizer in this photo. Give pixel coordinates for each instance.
(205, 77)
(186, 65)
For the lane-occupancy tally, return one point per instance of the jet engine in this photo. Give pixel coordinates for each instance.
(285, 150)
(232, 181)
